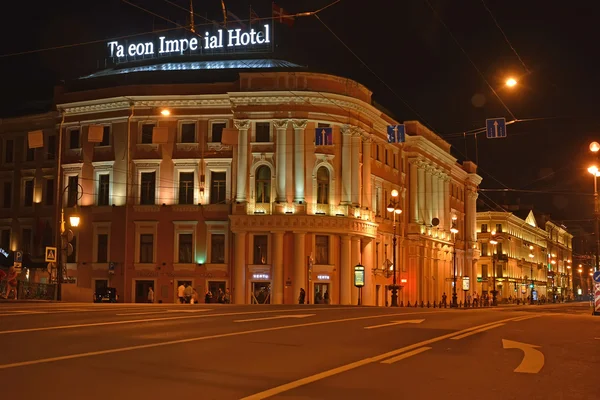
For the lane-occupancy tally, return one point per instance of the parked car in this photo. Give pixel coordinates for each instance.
(106, 295)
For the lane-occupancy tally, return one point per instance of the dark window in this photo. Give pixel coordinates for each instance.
(185, 248)
(377, 152)
(484, 228)
(51, 155)
(148, 188)
(262, 132)
(260, 249)
(147, 248)
(103, 189)
(498, 228)
(386, 157)
(102, 248)
(30, 153)
(499, 249)
(322, 125)
(186, 188)
(322, 186)
(28, 193)
(322, 249)
(9, 152)
(73, 257)
(263, 184)
(26, 240)
(394, 157)
(484, 249)
(217, 131)
(217, 248)
(217, 187)
(72, 190)
(188, 133)
(49, 192)
(105, 136)
(147, 133)
(484, 271)
(74, 139)
(5, 239)
(7, 201)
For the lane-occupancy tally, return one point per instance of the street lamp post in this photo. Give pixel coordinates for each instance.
(66, 235)
(531, 256)
(394, 208)
(454, 231)
(594, 148)
(494, 242)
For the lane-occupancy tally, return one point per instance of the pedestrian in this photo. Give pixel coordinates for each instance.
(302, 296)
(220, 296)
(188, 291)
(194, 296)
(150, 295)
(444, 297)
(227, 296)
(326, 296)
(469, 300)
(208, 297)
(181, 293)
(11, 283)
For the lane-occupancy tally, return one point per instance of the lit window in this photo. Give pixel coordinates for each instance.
(322, 186)
(263, 184)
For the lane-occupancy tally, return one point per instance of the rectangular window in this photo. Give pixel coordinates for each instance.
(322, 249)
(147, 133)
(9, 151)
(484, 271)
(49, 201)
(105, 136)
(5, 239)
(188, 133)
(217, 248)
(103, 188)
(148, 188)
(26, 240)
(146, 248)
(74, 139)
(394, 159)
(73, 185)
(260, 249)
(377, 152)
(322, 125)
(102, 248)
(484, 228)
(263, 132)
(30, 153)
(72, 258)
(217, 187)
(186, 188)
(28, 193)
(186, 250)
(386, 157)
(217, 131)
(499, 249)
(498, 228)
(484, 249)
(51, 155)
(7, 194)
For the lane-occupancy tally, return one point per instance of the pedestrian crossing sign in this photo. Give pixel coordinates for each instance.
(50, 254)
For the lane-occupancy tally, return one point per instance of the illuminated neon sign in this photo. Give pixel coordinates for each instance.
(231, 38)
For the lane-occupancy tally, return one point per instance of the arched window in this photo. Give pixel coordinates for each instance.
(263, 184)
(322, 186)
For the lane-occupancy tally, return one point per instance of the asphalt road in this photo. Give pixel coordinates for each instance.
(130, 351)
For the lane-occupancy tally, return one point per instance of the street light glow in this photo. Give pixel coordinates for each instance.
(74, 220)
(594, 147)
(165, 112)
(510, 82)
(593, 170)
(394, 193)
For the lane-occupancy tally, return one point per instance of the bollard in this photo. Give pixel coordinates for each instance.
(408, 304)
(401, 303)
(416, 304)
(422, 304)
(434, 304)
(428, 305)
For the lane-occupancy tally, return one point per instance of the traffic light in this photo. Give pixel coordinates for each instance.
(531, 285)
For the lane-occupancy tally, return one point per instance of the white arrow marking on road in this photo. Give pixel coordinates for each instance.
(533, 360)
(275, 317)
(410, 321)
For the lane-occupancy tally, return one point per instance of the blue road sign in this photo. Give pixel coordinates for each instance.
(597, 276)
(495, 128)
(19, 256)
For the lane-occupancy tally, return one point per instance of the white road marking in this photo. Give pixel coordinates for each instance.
(201, 338)
(405, 355)
(487, 328)
(276, 317)
(408, 321)
(533, 360)
(165, 312)
(527, 317)
(30, 312)
(325, 374)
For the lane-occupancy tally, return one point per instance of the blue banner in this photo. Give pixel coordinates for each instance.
(324, 136)
(396, 134)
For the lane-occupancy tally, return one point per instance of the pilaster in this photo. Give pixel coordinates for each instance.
(242, 159)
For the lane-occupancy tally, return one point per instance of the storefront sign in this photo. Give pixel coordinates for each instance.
(221, 40)
(323, 277)
(3, 252)
(466, 282)
(359, 276)
(260, 276)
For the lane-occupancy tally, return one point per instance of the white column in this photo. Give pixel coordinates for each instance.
(355, 184)
(368, 298)
(299, 126)
(242, 159)
(277, 268)
(421, 192)
(345, 271)
(366, 179)
(413, 194)
(447, 203)
(442, 202)
(354, 260)
(428, 196)
(299, 275)
(346, 165)
(435, 213)
(239, 291)
(280, 159)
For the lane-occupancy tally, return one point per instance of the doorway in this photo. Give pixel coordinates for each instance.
(100, 285)
(141, 290)
(321, 293)
(261, 293)
(213, 288)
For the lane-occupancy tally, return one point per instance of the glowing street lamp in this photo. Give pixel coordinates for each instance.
(454, 231)
(511, 82)
(165, 112)
(594, 147)
(394, 207)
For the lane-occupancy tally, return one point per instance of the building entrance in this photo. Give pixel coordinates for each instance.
(216, 289)
(321, 293)
(261, 293)
(141, 290)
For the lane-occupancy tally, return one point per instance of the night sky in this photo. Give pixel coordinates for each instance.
(423, 73)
